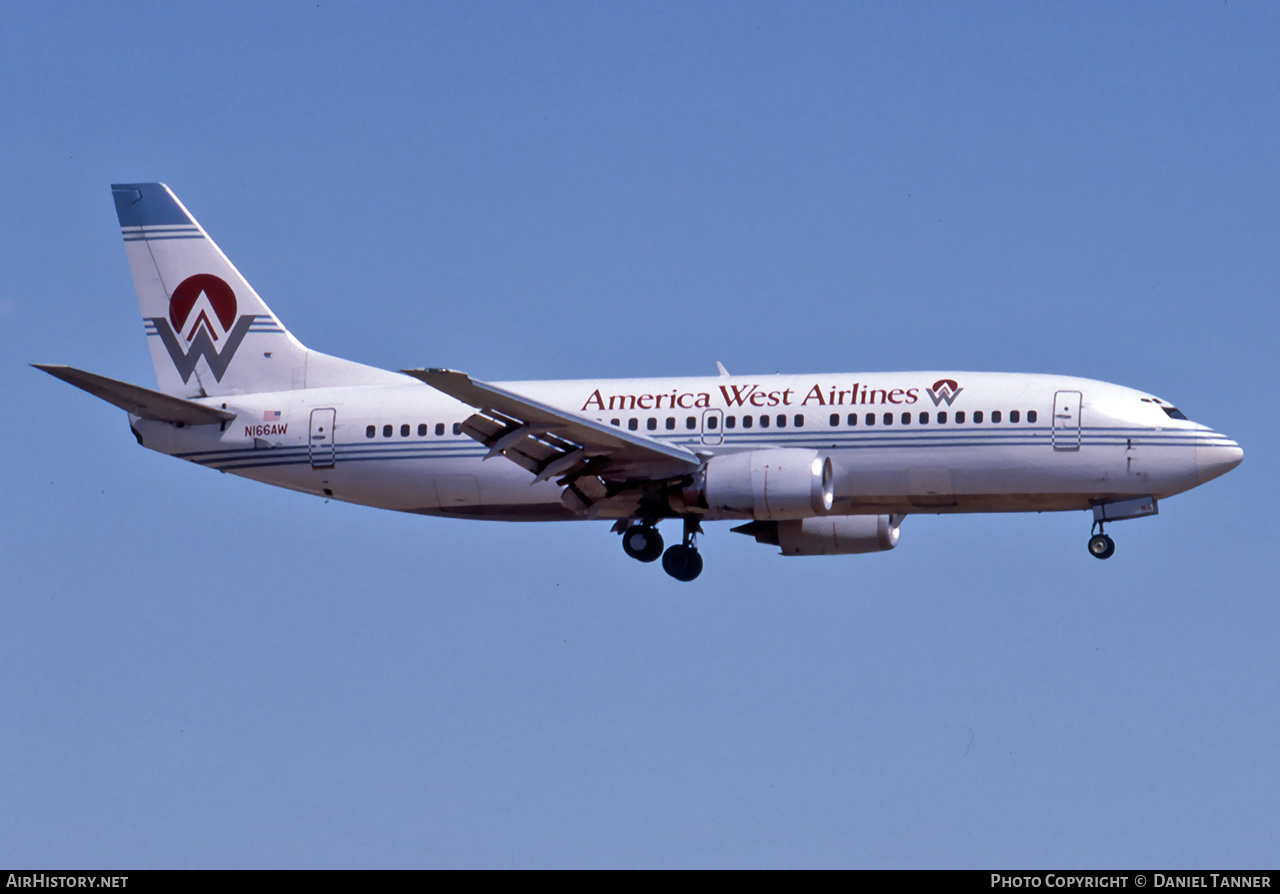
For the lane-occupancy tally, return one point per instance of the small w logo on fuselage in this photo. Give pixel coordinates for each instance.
(213, 296)
(944, 389)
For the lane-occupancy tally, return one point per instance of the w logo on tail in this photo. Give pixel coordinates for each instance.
(944, 389)
(209, 305)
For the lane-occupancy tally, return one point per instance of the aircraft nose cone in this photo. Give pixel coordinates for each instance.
(1218, 459)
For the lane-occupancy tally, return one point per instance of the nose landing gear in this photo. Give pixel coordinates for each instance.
(1100, 545)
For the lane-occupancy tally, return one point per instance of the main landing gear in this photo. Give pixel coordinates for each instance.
(1100, 545)
(682, 561)
(642, 542)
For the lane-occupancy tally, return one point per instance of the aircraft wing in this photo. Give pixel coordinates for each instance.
(554, 443)
(138, 400)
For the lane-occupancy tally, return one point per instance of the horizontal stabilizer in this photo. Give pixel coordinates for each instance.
(138, 400)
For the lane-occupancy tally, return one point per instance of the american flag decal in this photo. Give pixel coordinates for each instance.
(271, 416)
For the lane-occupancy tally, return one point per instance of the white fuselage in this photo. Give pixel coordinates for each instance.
(815, 464)
(990, 442)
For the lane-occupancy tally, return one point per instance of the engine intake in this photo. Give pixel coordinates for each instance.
(835, 535)
(783, 483)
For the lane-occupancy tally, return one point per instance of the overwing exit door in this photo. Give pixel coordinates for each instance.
(712, 426)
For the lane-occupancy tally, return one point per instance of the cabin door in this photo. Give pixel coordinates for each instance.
(1066, 420)
(321, 443)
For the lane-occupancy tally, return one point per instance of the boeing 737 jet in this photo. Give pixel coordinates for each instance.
(825, 464)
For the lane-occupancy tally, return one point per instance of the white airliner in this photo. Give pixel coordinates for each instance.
(815, 464)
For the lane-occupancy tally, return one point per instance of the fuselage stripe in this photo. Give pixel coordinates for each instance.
(252, 457)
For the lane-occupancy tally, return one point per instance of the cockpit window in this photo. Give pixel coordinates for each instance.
(1174, 412)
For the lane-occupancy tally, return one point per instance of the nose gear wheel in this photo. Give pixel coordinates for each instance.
(1101, 546)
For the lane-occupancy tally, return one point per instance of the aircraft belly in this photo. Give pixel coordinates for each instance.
(461, 485)
(458, 486)
(994, 479)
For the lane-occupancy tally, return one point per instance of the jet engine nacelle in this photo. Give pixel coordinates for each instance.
(783, 483)
(834, 535)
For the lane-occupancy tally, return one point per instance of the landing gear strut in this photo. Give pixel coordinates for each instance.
(1100, 545)
(682, 561)
(642, 542)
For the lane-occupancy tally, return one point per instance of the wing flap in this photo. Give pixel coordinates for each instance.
(138, 400)
(551, 442)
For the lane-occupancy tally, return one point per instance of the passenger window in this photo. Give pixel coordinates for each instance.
(977, 416)
(942, 417)
(924, 418)
(651, 424)
(617, 422)
(1015, 416)
(959, 417)
(764, 421)
(712, 422)
(671, 423)
(782, 421)
(853, 419)
(888, 419)
(746, 421)
(1031, 415)
(730, 421)
(404, 430)
(439, 429)
(386, 431)
(835, 419)
(995, 415)
(633, 423)
(691, 422)
(457, 428)
(370, 431)
(798, 422)
(906, 418)
(422, 429)
(871, 419)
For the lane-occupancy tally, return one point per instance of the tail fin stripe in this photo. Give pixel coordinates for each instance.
(147, 237)
(259, 327)
(159, 228)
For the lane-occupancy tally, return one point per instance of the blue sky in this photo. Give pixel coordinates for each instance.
(197, 670)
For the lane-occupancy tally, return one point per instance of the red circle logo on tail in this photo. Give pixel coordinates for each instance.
(219, 295)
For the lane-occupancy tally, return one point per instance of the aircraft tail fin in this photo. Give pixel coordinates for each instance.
(208, 330)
